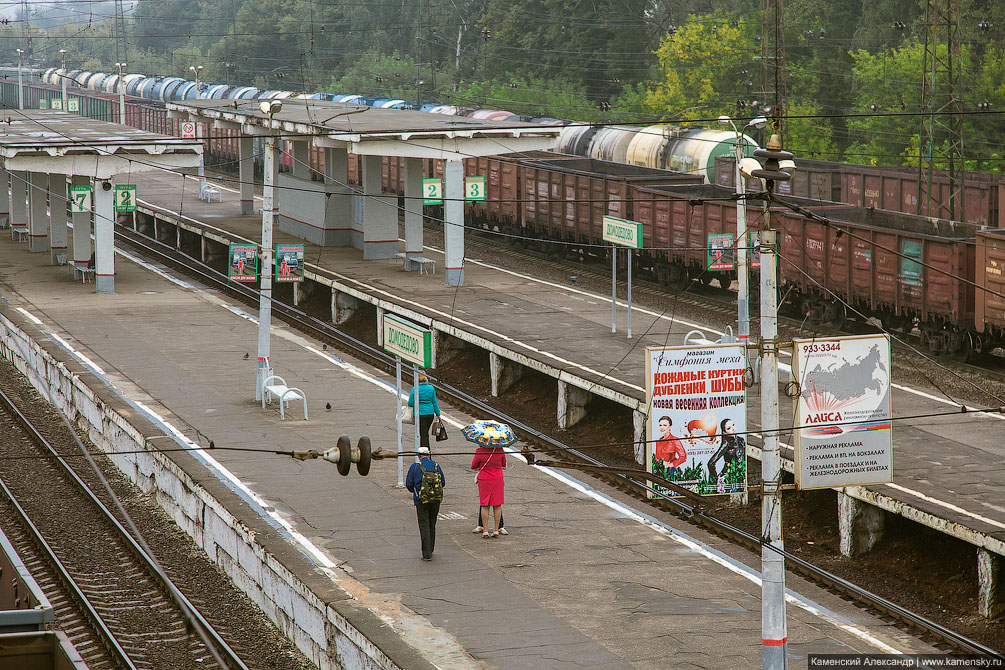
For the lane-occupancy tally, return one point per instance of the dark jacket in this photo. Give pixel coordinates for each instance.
(414, 479)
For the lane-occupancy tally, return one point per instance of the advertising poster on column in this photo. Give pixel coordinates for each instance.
(697, 417)
(719, 250)
(843, 411)
(243, 265)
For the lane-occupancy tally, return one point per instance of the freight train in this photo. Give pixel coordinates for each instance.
(908, 271)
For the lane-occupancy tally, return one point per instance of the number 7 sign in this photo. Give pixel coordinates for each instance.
(81, 199)
(125, 198)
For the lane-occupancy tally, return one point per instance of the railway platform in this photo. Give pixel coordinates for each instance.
(949, 476)
(583, 579)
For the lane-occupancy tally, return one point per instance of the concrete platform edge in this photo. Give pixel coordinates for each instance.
(317, 615)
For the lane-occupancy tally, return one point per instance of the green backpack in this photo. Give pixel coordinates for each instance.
(431, 488)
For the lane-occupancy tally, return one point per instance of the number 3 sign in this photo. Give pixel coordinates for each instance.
(474, 188)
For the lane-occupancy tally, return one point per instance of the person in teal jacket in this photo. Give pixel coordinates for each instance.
(429, 409)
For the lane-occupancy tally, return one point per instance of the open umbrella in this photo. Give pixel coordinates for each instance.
(489, 434)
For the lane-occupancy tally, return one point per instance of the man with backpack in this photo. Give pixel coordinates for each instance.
(425, 480)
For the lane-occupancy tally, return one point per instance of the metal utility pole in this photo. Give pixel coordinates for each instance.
(742, 239)
(197, 70)
(122, 93)
(941, 148)
(269, 210)
(773, 61)
(62, 79)
(120, 32)
(774, 635)
(20, 81)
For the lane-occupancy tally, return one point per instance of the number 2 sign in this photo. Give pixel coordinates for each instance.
(125, 198)
(432, 192)
(80, 199)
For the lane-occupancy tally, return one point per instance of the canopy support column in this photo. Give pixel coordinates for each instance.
(38, 224)
(413, 210)
(246, 173)
(453, 221)
(57, 218)
(104, 236)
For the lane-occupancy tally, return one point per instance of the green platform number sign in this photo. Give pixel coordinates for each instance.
(289, 262)
(125, 198)
(474, 189)
(73, 104)
(432, 191)
(43, 104)
(57, 103)
(81, 199)
(720, 251)
(243, 264)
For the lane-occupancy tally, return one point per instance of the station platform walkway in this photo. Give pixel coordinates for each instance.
(582, 581)
(949, 471)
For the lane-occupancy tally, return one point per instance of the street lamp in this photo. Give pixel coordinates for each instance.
(269, 209)
(20, 81)
(122, 94)
(197, 70)
(742, 301)
(62, 59)
(774, 634)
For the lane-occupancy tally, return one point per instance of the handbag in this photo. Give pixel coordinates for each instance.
(441, 431)
(407, 414)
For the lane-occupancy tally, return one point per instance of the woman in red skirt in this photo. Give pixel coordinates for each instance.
(490, 464)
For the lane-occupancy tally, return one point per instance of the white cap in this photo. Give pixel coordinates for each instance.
(422, 450)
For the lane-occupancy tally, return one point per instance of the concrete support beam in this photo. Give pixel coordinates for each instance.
(990, 591)
(379, 214)
(81, 253)
(413, 210)
(339, 206)
(860, 525)
(19, 198)
(343, 307)
(38, 224)
(504, 373)
(104, 237)
(453, 222)
(4, 198)
(445, 348)
(246, 170)
(571, 404)
(301, 159)
(58, 195)
(639, 436)
(380, 329)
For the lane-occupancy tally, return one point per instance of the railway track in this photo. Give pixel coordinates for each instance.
(117, 606)
(631, 484)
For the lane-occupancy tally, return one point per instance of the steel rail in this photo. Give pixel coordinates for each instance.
(232, 658)
(110, 642)
(639, 489)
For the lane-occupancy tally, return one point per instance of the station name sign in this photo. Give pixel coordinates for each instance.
(622, 232)
(408, 341)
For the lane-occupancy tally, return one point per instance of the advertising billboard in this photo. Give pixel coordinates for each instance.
(696, 430)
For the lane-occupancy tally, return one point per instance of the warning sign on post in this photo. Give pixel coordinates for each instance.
(843, 414)
(243, 265)
(188, 130)
(720, 250)
(289, 262)
(696, 431)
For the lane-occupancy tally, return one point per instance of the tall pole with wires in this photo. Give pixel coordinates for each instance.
(774, 635)
(773, 60)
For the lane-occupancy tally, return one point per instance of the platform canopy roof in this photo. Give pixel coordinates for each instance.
(63, 143)
(373, 131)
